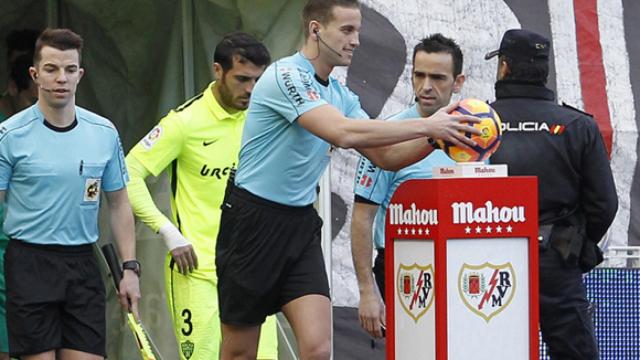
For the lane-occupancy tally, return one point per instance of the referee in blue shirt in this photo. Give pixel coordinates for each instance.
(55, 161)
(268, 254)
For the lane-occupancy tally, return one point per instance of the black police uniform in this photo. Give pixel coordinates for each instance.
(577, 200)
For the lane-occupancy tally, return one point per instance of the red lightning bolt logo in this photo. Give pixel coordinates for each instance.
(487, 294)
(417, 292)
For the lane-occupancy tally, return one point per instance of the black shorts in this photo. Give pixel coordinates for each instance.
(55, 299)
(267, 255)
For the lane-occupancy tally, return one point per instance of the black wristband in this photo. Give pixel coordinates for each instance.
(133, 265)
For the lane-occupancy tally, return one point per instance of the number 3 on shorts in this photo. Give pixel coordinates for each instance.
(188, 327)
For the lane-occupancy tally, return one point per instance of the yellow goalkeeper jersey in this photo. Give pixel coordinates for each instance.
(198, 145)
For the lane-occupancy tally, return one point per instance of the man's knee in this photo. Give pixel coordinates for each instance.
(320, 350)
(239, 342)
(234, 350)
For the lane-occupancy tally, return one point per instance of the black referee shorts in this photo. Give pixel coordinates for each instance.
(55, 299)
(267, 255)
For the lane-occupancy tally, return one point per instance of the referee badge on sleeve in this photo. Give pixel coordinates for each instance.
(91, 190)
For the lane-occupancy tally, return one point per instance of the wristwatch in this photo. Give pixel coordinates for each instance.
(133, 265)
(433, 143)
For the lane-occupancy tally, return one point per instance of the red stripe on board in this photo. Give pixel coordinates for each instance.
(389, 292)
(441, 296)
(592, 75)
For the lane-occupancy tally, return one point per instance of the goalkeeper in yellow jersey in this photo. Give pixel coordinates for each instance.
(198, 144)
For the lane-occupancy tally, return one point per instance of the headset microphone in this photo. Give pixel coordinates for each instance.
(44, 88)
(315, 31)
(35, 79)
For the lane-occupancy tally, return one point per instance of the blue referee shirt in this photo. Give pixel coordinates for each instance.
(279, 159)
(53, 177)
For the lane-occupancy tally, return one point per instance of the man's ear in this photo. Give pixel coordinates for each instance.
(314, 29)
(458, 82)
(503, 69)
(80, 74)
(34, 74)
(217, 71)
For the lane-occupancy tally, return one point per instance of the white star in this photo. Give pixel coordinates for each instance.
(467, 230)
(509, 228)
(499, 228)
(406, 231)
(478, 229)
(399, 231)
(413, 231)
(426, 231)
(420, 231)
(488, 228)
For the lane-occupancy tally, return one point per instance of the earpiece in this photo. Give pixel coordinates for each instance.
(317, 32)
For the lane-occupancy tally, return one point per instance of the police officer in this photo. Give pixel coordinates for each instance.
(577, 197)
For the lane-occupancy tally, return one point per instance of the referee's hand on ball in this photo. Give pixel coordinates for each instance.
(453, 128)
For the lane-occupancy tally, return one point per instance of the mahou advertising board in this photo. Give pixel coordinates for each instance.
(464, 258)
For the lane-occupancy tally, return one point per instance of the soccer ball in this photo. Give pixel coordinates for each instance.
(486, 143)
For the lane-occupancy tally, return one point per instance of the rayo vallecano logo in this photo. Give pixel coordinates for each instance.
(487, 289)
(415, 289)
